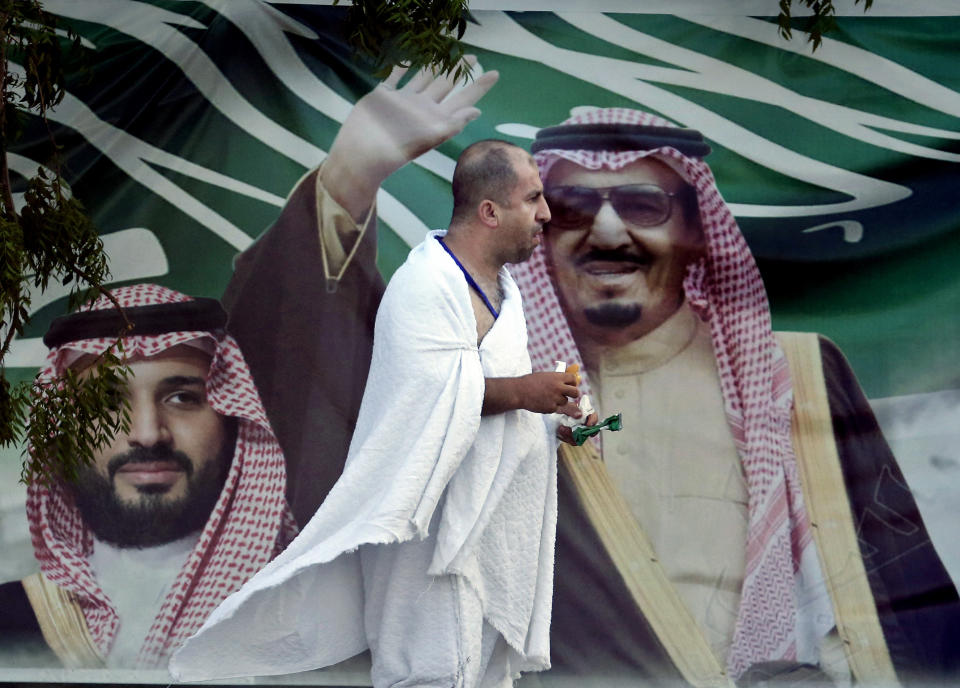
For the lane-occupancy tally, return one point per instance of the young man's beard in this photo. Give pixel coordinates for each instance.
(151, 520)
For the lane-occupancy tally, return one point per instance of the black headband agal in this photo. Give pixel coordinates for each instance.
(201, 314)
(620, 137)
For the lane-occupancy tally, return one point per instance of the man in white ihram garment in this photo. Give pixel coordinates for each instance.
(435, 547)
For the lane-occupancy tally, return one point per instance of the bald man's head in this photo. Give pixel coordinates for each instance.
(485, 170)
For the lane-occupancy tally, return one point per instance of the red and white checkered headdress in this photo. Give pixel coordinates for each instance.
(725, 289)
(248, 526)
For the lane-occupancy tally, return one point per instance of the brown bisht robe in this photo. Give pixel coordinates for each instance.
(309, 349)
(597, 628)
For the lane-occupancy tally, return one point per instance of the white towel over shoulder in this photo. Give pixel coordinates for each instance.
(419, 436)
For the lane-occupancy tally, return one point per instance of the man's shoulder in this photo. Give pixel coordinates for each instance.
(842, 387)
(426, 269)
(828, 348)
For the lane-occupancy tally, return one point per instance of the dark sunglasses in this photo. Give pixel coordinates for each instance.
(643, 205)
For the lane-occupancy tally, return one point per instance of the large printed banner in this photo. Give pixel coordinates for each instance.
(198, 123)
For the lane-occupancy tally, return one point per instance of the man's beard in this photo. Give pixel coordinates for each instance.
(151, 520)
(613, 314)
(522, 253)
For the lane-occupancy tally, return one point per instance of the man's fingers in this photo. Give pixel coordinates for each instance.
(461, 119)
(394, 77)
(470, 94)
(442, 85)
(438, 89)
(419, 81)
(569, 409)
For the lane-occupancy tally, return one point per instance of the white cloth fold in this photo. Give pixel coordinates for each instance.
(419, 436)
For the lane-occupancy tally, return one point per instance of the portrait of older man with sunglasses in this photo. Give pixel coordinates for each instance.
(750, 520)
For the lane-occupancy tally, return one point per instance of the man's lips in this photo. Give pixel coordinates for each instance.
(143, 472)
(610, 267)
(611, 274)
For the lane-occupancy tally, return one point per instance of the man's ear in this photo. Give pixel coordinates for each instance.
(489, 213)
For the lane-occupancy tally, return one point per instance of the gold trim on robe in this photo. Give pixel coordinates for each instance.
(831, 518)
(644, 576)
(832, 525)
(62, 623)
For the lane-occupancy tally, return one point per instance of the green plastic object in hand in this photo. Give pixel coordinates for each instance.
(582, 432)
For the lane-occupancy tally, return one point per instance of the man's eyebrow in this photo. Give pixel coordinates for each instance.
(182, 381)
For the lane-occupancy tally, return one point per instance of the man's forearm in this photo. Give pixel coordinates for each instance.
(538, 392)
(500, 395)
(351, 184)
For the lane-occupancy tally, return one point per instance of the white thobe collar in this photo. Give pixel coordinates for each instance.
(137, 581)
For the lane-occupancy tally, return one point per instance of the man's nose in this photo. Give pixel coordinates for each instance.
(148, 426)
(608, 230)
(543, 211)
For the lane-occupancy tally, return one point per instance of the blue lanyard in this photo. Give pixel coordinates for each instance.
(470, 280)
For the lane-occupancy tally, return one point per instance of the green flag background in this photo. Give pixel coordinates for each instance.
(196, 119)
(840, 165)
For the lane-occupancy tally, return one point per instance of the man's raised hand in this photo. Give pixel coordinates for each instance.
(391, 126)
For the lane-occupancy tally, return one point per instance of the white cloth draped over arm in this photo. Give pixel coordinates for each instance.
(419, 436)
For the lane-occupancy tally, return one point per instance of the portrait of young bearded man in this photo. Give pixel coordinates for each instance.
(173, 515)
